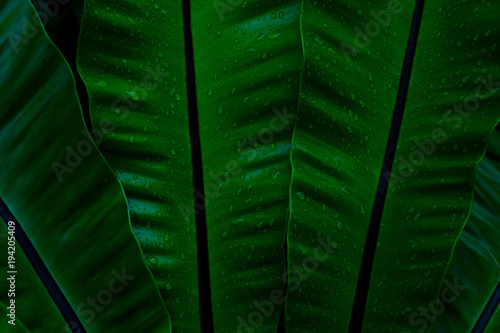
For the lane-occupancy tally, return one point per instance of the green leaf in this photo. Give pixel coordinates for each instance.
(387, 251)
(240, 98)
(34, 309)
(192, 105)
(131, 58)
(474, 263)
(247, 79)
(59, 188)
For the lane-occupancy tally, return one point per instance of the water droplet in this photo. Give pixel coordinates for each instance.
(302, 249)
(345, 191)
(249, 50)
(273, 35)
(152, 260)
(259, 38)
(238, 221)
(133, 95)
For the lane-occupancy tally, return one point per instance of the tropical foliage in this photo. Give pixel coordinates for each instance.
(250, 166)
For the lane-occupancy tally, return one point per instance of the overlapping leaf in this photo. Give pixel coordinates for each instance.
(247, 78)
(474, 264)
(194, 97)
(246, 182)
(350, 103)
(33, 308)
(60, 189)
(131, 57)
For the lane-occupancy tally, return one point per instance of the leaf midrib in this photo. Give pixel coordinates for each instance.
(41, 270)
(363, 285)
(205, 300)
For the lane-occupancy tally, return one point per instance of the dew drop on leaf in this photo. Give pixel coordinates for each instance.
(152, 260)
(301, 195)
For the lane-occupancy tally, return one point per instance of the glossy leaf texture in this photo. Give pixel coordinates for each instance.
(474, 264)
(247, 62)
(131, 58)
(35, 310)
(454, 88)
(60, 189)
(245, 129)
(359, 208)
(351, 96)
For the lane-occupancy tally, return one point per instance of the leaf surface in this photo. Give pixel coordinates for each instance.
(131, 58)
(377, 188)
(247, 78)
(474, 263)
(35, 310)
(245, 181)
(59, 188)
